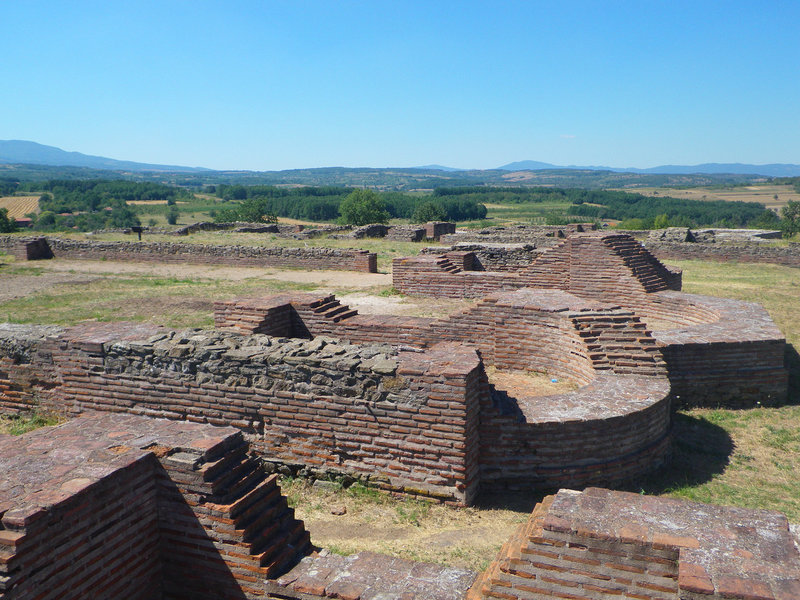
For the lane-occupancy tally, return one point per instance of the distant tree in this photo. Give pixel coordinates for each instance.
(122, 217)
(429, 211)
(661, 221)
(791, 218)
(172, 215)
(46, 220)
(7, 224)
(362, 207)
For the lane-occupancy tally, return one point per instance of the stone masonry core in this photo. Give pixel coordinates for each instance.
(160, 486)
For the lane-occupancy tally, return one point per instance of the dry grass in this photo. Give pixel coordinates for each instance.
(521, 384)
(19, 206)
(409, 528)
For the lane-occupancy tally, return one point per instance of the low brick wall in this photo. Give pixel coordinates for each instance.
(735, 359)
(117, 506)
(168, 252)
(401, 421)
(727, 252)
(599, 544)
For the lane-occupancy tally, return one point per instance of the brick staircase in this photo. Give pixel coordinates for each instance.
(653, 275)
(443, 263)
(620, 343)
(330, 308)
(245, 519)
(503, 574)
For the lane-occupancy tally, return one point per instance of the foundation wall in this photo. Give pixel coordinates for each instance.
(722, 252)
(405, 422)
(519, 454)
(168, 252)
(98, 542)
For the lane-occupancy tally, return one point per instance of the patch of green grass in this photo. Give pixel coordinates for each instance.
(19, 424)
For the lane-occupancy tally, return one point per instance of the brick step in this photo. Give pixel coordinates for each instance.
(241, 508)
(232, 483)
(257, 521)
(294, 550)
(281, 526)
(330, 303)
(214, 469)
(244, 485)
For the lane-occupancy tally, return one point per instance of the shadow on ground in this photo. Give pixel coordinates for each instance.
(701, 450)
(792, 362)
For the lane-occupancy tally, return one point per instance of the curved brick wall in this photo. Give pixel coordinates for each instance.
(718, 352)
(615, 426)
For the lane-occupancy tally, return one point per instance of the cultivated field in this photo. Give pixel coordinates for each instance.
(741, 457)
(751, 193)
(19, 206)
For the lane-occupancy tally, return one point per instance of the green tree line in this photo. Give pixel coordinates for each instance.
(324, 204)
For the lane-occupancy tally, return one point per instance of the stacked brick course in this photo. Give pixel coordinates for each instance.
(162, 252)
(117, 506)
(604, 544)
(403, 421)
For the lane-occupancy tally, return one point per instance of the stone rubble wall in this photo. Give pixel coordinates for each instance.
(542, 235)
(168, 252)
(492, 257)
(788, 255)
(401, 421)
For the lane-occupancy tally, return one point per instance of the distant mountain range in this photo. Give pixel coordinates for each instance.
(14, 152)
(771, 170)
(31, 153)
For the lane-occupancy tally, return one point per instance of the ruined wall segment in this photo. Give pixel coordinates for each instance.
(117, 506)
(344, 259)
(601, 543)
(404, 421)
(605, 264)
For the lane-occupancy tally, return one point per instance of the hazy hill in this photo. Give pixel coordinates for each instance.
(31, 153)
(771, 170)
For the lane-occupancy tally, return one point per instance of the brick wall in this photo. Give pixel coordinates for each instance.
(116, 506)
(168, 252)
(604, 544)
(402, 421)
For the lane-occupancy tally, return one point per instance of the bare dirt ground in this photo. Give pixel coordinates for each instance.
(323, 278)
(64, 272)
(19, 286)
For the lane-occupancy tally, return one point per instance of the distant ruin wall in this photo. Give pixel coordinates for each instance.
(788, 255)
(168, 252)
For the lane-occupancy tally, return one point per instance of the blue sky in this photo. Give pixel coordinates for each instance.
(269, 85)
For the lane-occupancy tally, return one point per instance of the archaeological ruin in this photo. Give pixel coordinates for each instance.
(163, 485)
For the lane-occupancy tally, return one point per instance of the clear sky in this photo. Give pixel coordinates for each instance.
(269, 85)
